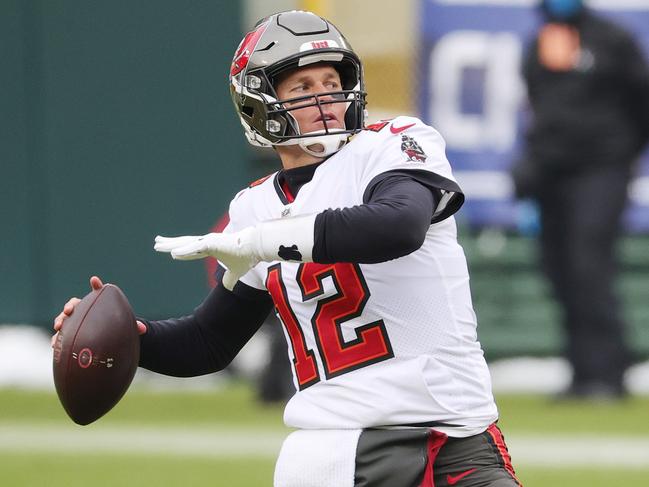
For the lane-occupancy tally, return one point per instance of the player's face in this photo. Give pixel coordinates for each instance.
(313, 80)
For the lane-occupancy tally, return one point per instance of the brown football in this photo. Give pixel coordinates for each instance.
(96, 354)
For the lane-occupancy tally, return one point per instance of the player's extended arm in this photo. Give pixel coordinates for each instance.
(289, 239)
(207, 340)
(392, 223)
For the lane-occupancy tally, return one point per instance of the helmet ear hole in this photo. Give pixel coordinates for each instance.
(355, 114)
(347, 74)
(352, 117)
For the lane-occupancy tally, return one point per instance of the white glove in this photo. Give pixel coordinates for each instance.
(288, 239)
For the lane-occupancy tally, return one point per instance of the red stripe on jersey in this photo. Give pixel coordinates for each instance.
(436, 441)
(499, 441)
(287, 192)
(259, 181)
(375, 127)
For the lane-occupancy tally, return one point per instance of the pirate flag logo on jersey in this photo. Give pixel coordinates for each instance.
(412, 149)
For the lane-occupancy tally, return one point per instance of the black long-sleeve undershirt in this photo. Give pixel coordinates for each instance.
(391, 223)
(207, 340)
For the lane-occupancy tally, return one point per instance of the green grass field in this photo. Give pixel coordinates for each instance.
(156, 439)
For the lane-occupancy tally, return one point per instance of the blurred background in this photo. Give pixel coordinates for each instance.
(116, 125)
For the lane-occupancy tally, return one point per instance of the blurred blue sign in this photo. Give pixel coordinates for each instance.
(472, 92)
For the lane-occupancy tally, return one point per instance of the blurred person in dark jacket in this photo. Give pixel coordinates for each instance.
(588, 87)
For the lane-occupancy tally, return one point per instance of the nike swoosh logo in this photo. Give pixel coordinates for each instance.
(396, 130)
(454, 479)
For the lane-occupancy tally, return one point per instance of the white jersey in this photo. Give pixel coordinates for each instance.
(376, 345)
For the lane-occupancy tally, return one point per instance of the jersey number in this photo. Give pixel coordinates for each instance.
(338, 356)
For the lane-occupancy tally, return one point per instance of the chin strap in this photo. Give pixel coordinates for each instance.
(324, 145)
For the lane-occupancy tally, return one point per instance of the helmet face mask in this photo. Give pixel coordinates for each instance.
(281, 44)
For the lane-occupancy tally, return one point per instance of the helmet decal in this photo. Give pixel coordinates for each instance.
(324, 44)
(246, 48)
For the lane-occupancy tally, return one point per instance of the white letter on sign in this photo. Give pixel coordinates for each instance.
(498, 55)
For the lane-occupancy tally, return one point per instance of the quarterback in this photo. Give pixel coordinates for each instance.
(353, 243)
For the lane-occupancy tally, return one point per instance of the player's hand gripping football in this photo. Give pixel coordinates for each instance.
(95, 284)
(288, 239)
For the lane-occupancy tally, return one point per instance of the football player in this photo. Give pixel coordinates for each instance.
(354, 244)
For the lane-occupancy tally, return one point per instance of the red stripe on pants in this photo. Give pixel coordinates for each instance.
(499, 441)
(435, 442)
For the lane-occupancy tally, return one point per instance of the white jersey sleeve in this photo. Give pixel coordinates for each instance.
(406, 144)
(242, 215)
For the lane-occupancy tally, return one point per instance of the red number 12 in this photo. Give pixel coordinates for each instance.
(338, 356)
